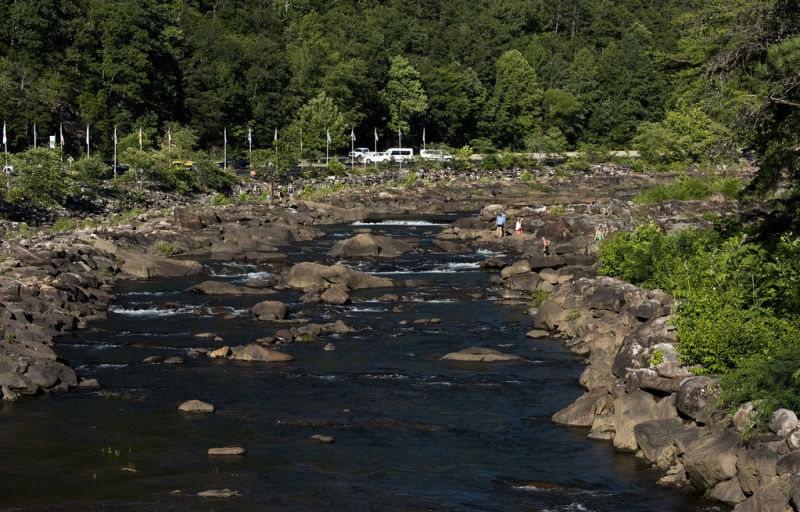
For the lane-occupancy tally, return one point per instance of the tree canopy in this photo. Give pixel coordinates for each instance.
(720, 75)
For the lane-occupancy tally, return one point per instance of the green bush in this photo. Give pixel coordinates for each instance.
(220, 200)
(336, 168)
(688, 189)
(538, 297)
(39, 177)
(410, 179)
(525, 176)
(770, 382)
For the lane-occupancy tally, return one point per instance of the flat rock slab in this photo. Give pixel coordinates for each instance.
(323, 439)
(482, 355)
(219, 493)
(259, 353)
(196, 406)
(227, 450)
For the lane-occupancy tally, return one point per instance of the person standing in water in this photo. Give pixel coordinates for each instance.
(546, 246)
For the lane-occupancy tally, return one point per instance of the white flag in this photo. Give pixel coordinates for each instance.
(275, 138)
(61, 134)
(376, 135)
(423, 134)
(115, 135)
(5, 140)
(87, 134)
(352, 135)
(250, 135)
(328, 136)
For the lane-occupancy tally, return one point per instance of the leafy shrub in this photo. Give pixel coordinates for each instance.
(490, 162)
(39, 177)
(525, 176)
(771, 382)
(541, 187)
(220, 200)
(557, 210)
(64, 224)
(410, 179)
(165, 248)
(336, 168)
(538, 297)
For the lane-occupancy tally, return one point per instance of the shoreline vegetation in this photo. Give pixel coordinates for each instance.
(694, 371)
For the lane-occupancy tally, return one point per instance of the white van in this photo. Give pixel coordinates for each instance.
(400, 154)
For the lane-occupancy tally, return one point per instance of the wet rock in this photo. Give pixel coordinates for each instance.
(270, 310)
(336, 295)
(174, 360)
(152, 360)
(257, 353)
(323, 439)
(220, 352)
(308, 273)
(223, 288)
(711, 460)
(477, 354)
(583, 411)
(227, 450)
(783, 420)
(219, 493)
(196, 406)
(367, 245)
(537, 333)
(655, 439)
(329, 347)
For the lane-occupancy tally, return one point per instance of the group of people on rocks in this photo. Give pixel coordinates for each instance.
(500, 226)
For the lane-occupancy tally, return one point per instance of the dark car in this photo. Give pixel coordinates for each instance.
(121, 169)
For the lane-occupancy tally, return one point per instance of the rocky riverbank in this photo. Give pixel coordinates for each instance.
(638, 395)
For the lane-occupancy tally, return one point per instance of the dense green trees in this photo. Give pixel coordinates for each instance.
(689, 81)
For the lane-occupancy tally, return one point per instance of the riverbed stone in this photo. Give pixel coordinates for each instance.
(227, 450)
(368, 245)
(219, 493)
(270, 310)
(582, 412)
(783, 420)
(258, 353)
(480, 354)
(755, 467)
(336, 295)
(656, 440)
(728, 492)
(630, 410)
(196, 406)
(323, 438)
(711, 459)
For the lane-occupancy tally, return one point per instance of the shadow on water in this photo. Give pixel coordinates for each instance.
(412, 432)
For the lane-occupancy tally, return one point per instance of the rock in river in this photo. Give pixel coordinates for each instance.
(483, 355)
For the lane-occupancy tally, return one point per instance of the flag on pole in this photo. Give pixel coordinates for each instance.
(423, 134)
(352, 135)
(376, 135)
(87, 134)
(5, 139)
(328, 136)
(115, 135)
(34, 134)
(400, 134)
(61, 134)
(169, 136)
(225, 135)
(275, 138)
(140, 137)
(250, 135)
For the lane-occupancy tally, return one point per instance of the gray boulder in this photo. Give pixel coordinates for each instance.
(656, 440)
(223, 288)
(783, 420)
(313, 274)
(479, 354)
(270, 310)
(629, 410)
(259, 354)
(583, 411)
(711, 460)
(695, 396)
(756, 466)
(367, 245)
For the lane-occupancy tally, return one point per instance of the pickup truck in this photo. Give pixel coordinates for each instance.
(435, 154)
(359, 154)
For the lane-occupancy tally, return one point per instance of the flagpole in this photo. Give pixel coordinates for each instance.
(423, 137)
(225, 148)
(88, 153)
(140, 139)
(61, 142)
(115, 151)
(400, 145)
(352, 141)
(376, 146)
(250, 142)
(5, 143)
(327, 146)
(34, 134)
(301, 150)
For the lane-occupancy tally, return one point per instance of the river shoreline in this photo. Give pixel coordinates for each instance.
(57, 282)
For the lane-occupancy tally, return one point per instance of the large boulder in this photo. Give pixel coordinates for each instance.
(656, 440)
(336, 295)
(582, 412)
(756, 466)
(711, 460)
(223, 288)
(258, 353)
(695, 397)
(629, 410)
(270, 310)
(307, 274)
(547, 316)
(478, 354)
(367, 245)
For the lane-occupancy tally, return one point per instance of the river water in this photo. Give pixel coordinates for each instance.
(412, 432)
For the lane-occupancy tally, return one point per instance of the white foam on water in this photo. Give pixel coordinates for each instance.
(152, 311)
(391, 222)
(111, 366)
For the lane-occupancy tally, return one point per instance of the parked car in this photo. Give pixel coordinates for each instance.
(376, 157)
(435, 154)
(359, 153)
(121, 169)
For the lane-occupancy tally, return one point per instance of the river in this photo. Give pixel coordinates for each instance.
(412, 432)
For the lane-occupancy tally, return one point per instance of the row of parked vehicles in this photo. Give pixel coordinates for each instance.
(396, 155)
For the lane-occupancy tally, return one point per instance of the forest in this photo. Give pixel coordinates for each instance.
(682, 81)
